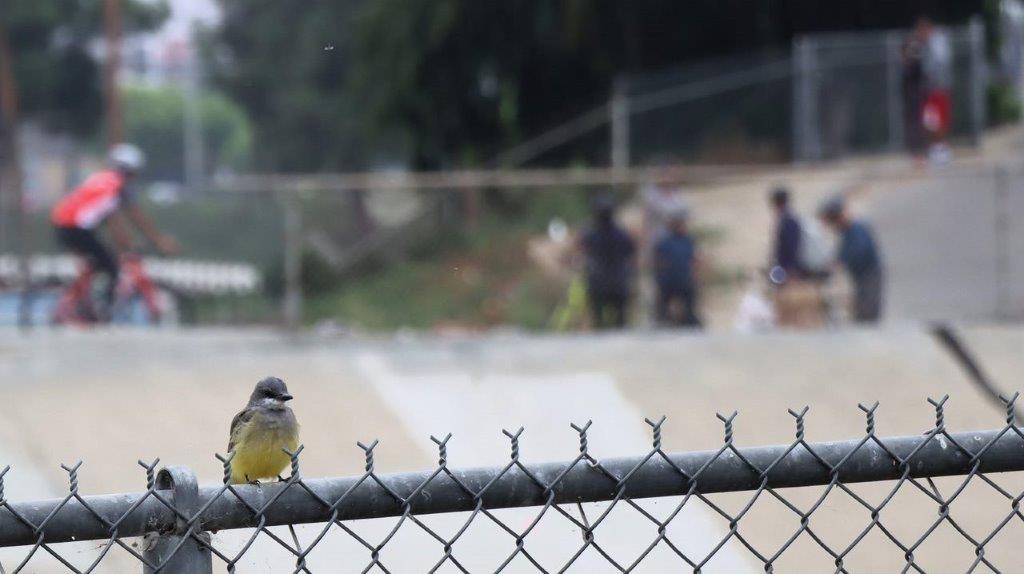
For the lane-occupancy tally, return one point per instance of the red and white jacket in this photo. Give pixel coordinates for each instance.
(92, 202)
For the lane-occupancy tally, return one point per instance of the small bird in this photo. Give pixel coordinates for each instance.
(260, 431)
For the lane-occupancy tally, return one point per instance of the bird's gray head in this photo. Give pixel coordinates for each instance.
(270, 392)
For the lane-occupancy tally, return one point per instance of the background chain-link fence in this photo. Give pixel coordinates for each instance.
(833, 95)
(951, 238)
(932, 502)
(848, 93)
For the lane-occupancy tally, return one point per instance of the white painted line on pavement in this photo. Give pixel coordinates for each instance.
(474, 406)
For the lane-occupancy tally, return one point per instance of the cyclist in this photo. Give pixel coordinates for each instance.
(105, 196)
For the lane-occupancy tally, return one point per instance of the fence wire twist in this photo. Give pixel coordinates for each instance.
(166, 508)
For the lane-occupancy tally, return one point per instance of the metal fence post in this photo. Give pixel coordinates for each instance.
(893, 88)
(471, 207)
(976, 38)
(192, 128)
(292, 304)
(618, 110)
(178, 552)
(806, 124)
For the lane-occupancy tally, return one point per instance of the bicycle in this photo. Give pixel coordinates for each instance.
(76, 305)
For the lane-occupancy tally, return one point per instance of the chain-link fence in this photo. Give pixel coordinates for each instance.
(951, 240)
(729, 110)
(834, 95)
(930, 502)
(831, 96)
(503, 248)
(849, 94)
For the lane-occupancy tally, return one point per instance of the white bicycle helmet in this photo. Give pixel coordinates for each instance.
(127, 158)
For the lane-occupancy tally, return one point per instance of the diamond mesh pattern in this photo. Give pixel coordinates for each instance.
(795, 524)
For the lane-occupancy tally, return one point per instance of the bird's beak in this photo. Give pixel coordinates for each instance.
(285, 397)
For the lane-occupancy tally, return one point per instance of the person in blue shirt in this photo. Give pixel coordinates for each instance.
(610, 260)
(675, 262)
(858, 253)
(786, 254)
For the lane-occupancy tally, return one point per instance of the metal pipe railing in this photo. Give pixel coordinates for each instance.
(654, 475)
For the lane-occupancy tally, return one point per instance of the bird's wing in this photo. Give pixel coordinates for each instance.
(240, 419)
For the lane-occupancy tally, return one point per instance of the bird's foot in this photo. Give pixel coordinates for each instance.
(252, 481)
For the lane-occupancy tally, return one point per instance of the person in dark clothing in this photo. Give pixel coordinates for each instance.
(610, 254)
(786, 254)
(858, 253)
(675, 261)
(913, 88)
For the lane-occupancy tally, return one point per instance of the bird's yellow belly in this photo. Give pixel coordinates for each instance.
(258, 455)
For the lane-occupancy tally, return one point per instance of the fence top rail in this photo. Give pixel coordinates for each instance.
(585, 176)
(173, 502)
(874, 37)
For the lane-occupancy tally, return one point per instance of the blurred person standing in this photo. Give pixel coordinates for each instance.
(675, 269)
(858, 253)
(661, 198)
(610, 255)
(937, 67)
(913, 92)
(797, 299)
(786, 264)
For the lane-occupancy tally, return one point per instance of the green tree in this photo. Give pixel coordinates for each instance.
(341, 83)
(154, 119)
(288, 66)
(58, 79)
(463, 79)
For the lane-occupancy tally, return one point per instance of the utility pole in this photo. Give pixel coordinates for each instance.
(193, 126)
(293, 243)
(10, 169)
(112, 65)
(618, 109)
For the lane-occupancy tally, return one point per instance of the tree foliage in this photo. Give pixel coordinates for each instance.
(58, 79)
(154, 120)
(469, 77)
(287, 63)
(338, 83)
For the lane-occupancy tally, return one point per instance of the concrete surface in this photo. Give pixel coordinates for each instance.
(952, 243)
(954, 246)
